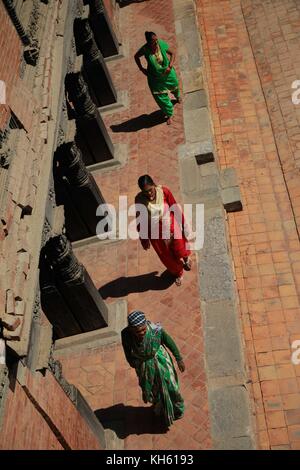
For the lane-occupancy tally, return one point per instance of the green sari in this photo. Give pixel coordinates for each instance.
(159, 82)
(155, 370)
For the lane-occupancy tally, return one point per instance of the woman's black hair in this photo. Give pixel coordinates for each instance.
(144, 180)
(148, 36)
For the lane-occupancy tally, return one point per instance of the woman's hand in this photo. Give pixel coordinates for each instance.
(181, 365)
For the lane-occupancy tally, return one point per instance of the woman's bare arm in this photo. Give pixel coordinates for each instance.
(172, 59)
(137, 58)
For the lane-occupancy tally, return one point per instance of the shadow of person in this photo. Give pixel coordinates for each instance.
(125, 3)
(122, 286)
(144, 121)
(126, 420)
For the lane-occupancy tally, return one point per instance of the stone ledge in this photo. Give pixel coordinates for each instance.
(112, 441)
(192, 80)
(197, 125)
(209, 168)
(203, 151)
(231, 198)
(195, 100)
(90, 418)
(92, 241)
(224, 353)
(228, 178)
(122, 102)
(121, 153)
(123, 52)
(4, 384)
(216, 279)
(39, 346)
(230, 418)
(117, 320)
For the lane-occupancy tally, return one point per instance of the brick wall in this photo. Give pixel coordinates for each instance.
(40, 416)
(10, 55)
(19, 242)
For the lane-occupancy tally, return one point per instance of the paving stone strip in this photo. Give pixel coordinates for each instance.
(202, 182)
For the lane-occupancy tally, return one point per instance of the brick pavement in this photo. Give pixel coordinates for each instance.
(258, 133)
(102, 375)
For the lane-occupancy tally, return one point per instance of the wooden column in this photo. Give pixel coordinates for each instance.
(54, 306)
(82, 196)
(75, 285)
(102, 28)
(98, 78)
(97, 145)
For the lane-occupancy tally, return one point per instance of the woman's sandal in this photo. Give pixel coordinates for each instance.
(169, 121)
(178, 280)
(187, 265)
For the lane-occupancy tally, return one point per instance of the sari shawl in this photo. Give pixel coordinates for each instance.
(170, 225)
(157, 375)
(159, 82)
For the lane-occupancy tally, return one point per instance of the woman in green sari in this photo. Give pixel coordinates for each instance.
(160, 72)
(144, 345)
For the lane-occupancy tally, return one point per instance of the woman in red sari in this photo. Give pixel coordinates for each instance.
(164, 227)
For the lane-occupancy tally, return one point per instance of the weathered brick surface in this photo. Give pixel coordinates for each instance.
(18, 251)
(102, 375)
(30, 430)
(253, 131)
(273, 32)
(10, 55)
(19, 98)
(28, 426)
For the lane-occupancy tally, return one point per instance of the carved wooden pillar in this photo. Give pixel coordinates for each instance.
(98, 78)
(97, 146)
(83, 195)
(31, 52)
(54, 305)
(102, 28)
(10, 7)
(75, 285)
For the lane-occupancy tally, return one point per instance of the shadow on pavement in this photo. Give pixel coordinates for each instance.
(125, 3)
(123, 286)
(127, 420)
(144, 121)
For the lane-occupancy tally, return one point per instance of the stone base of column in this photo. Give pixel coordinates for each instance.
(95, 339)
(85, 302)
(122, 102)
(121, 152)
(103, 32)
(57, 311)
(93, 140)
(101, 88)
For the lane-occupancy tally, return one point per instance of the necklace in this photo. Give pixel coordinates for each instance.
(158, 55)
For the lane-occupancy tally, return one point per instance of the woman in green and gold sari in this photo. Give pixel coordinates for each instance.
(144, 345)
(160, 72)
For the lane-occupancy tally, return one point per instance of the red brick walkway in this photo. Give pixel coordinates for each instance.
(264, 236)
(103, 376)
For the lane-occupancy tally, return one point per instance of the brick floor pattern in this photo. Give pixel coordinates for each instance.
(249, 74)
(102, 375)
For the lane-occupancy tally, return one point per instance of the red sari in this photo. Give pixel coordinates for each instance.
(170, 253)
